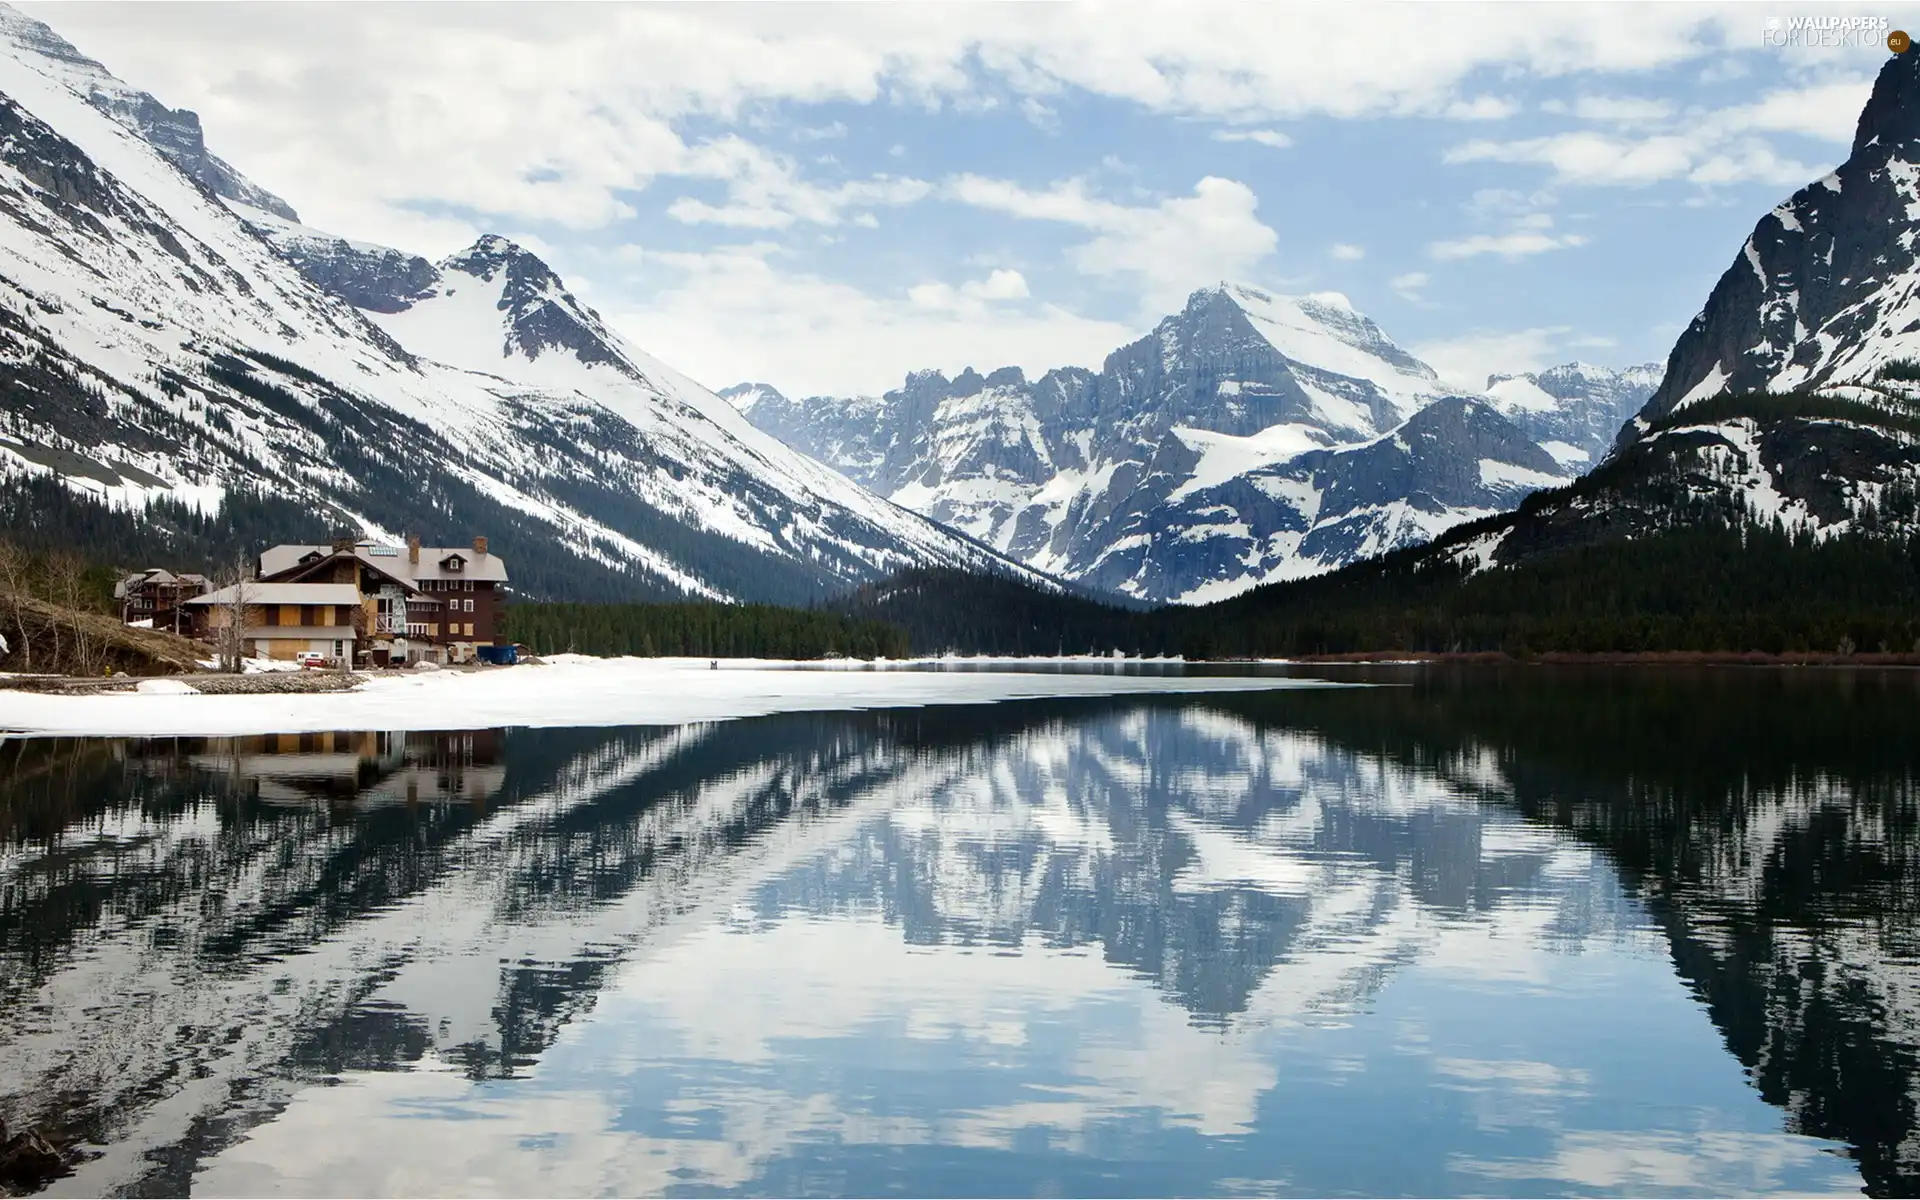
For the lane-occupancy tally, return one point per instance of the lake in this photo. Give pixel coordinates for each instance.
(1498, 931)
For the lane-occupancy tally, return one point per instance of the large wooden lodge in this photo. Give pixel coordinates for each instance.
(363, 603)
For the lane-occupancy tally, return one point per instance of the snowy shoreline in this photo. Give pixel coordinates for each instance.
(574, 690)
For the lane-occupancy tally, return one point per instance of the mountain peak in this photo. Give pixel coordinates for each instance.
(1892, 113)
(747, 397)
(489, 252)
(174, 132)
(1823, 292)
(39, 38)
(1333, 301)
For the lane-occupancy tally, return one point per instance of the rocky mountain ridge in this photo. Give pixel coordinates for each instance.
(1251, 437)
(1575, 410)
(1792, 400)
(1825, 293)
(176, 370)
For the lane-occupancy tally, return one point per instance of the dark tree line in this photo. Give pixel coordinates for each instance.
(1713, 589)
(1719, 590)
(700, 631)
(941, 609)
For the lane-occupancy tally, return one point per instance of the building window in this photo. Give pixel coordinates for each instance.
(469, 607)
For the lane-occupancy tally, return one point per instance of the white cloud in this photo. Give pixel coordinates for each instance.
(1410, 285)
(1709, 148)
(999, 285)
(1482, 108)
(1601, 160)
(1827, 111)
(1469, 359)
(764, 191)
(1265, 137)
(1347, 251)
(1507, 202)
(1753, 161)
(739, 313)
(1170, 248)
(422, 126)
(1529, 237)
(1618, 110)
(362, 115)
(1039, 114)
(1587, 158)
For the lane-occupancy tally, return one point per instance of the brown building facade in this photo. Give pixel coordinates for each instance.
(157, 595)
(417, 603)
(281, 621)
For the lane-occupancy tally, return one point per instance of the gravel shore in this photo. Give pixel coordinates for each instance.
(266, 683)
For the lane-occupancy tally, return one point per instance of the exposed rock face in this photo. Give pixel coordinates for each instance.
(1453, 461)
(374, 278)
(1574, 410)
(851, 435)
(1249, 437)
(215, 371)
(175, 132)
(538, 312)
(1789, 400)
(1826, 290)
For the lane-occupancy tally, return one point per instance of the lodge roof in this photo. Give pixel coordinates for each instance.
(395, 561)
(284, 593)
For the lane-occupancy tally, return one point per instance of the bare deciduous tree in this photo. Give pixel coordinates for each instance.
(230, 637)
(65, 579)
(13, 586)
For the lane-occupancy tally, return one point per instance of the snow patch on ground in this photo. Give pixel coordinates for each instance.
(165, 687)
(1224, 456)
(1713, 384)
(1520, 394)
(572, 690)
(1565, 453)
(1497, 474)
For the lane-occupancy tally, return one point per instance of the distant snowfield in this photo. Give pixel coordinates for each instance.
(574, 690)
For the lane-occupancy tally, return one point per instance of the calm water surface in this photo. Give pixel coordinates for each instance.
(1512, 932)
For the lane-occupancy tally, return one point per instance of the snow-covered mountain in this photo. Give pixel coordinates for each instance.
(1826, 291)
(1791, 399)
(1249, 437)
(175, 132)
(164, 357)
(1574, 410)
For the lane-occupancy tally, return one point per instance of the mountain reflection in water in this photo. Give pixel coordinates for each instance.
(1489, 932)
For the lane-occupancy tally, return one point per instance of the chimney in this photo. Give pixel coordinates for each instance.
(413, 549)
(480, 547)
(343, 545)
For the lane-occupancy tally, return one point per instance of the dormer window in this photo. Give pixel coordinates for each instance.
(452, 562)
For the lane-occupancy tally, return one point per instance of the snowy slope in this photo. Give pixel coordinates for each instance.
(1574, 410)
(162, 350)
(175, 132)
(1252, 436)
(1825, 293)
(1789, 402)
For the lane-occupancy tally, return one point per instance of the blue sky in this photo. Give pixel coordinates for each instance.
(825, 197)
